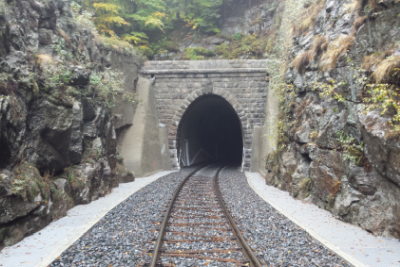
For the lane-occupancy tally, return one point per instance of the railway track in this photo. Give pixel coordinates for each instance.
(198, 230)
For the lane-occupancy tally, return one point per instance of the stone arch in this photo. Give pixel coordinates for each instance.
(246, 126)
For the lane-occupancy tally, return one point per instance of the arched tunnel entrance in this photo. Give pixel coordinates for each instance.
(210, 129)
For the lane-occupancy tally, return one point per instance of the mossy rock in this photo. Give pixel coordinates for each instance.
(27, 181)
(123, 174)
(21, 192)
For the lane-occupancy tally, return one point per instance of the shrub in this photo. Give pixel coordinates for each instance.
(320, 45)
(107, 85)
(197, 53)
(45, 60)
(250, 46)
(146, 51)
(351, 151)
(385, 97)
(387, 69)
(83, 19)
(222, 49)
(310, 16)
(336, 48)
(301, 61)
(372, 61)
(116, 45)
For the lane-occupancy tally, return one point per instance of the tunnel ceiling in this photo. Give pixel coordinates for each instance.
(209, 130)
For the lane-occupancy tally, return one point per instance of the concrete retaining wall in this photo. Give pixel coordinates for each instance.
(144, 144)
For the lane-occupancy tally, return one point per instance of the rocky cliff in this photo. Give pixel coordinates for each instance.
(338, 126)
(64, 92)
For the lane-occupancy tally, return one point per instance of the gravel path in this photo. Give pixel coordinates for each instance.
(120, 238)
(277, 240)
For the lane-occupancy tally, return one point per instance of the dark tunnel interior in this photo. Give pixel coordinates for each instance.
(209, 130)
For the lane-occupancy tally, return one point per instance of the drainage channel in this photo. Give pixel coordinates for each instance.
(198, 229)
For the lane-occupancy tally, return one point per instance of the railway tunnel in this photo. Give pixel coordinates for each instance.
(210, 130)
(211, 109)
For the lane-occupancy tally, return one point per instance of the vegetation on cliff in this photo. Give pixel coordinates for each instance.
(146, 23)
(338, 128)
(158, 27)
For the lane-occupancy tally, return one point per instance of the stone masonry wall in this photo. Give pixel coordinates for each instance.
(243, 83)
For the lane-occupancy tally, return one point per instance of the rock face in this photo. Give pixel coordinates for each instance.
(337, 149)
(57, 129)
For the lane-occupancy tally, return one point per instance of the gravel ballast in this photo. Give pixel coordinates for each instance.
(277, 240)
(124, 235)
(206, 241)
(120, 238)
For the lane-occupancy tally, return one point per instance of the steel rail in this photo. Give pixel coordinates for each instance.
(163, 227)
(247, 251)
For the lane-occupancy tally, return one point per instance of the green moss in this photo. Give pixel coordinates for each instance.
(44, 189)
(72, 178)
(56, 194)
(33, 190)
(251, 45)
(197, 53)
(27, 181)
(223, 50)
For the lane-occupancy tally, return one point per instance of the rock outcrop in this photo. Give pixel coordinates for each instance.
(61, 88)
(339, 146)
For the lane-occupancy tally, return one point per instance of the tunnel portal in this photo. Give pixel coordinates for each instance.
(179, 83)
(210, 129)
